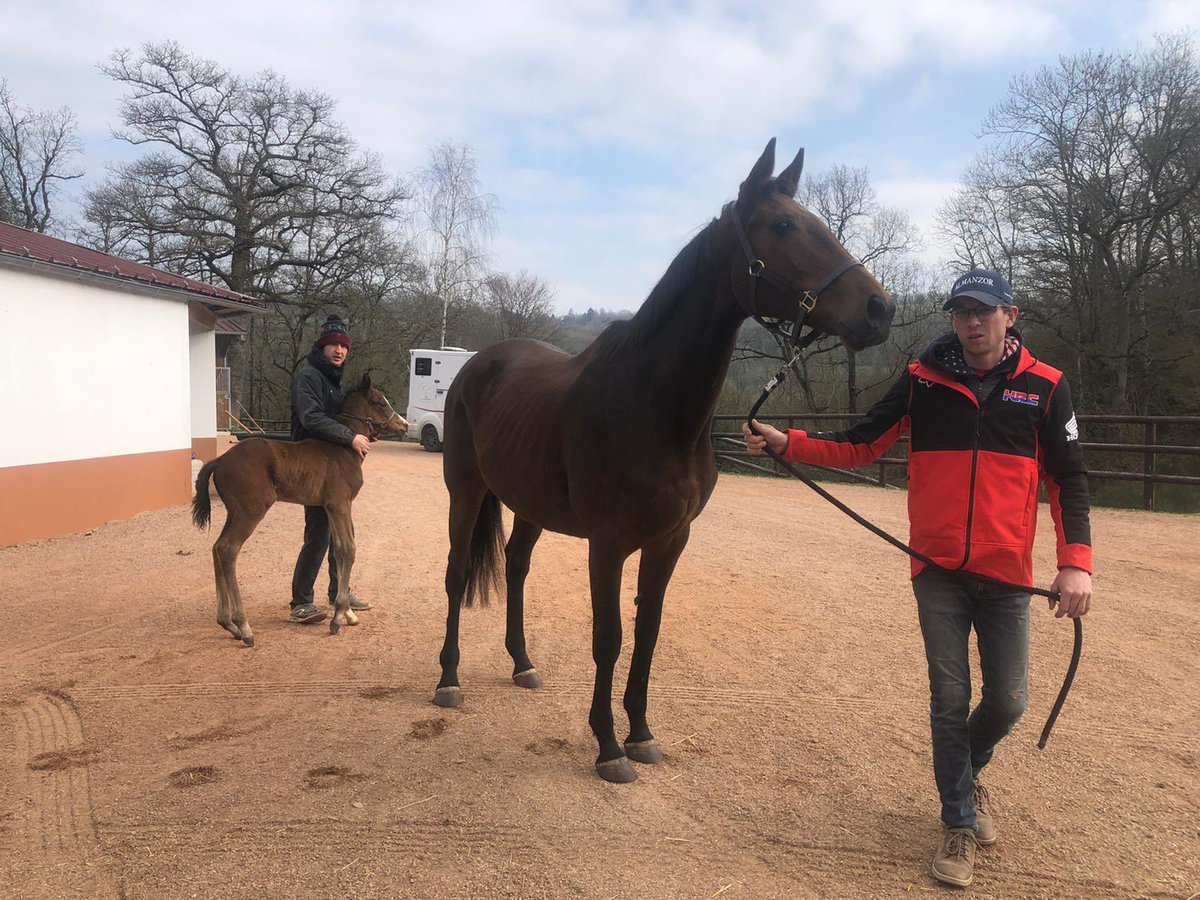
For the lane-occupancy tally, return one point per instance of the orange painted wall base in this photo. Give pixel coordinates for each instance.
(206, 449)
(50, 499)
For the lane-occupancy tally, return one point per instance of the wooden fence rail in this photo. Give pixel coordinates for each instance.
(727, 440)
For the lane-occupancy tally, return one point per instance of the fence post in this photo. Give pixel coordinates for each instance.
(882, 474)
(1151, 435)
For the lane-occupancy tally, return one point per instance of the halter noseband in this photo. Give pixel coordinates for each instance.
(807, 299)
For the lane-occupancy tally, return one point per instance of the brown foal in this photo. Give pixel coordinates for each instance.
(256, 472)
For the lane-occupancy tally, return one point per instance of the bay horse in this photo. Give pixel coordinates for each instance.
(256, 472)
(613, 445)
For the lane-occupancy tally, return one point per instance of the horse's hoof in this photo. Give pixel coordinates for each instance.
(351, 618)
(448, 697)
(248, 641)
(644, 751)
(616, 771)
(333, 625)
(528, 679)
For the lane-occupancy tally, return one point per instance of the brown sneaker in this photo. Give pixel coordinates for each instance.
(985, 833)
(954, 862)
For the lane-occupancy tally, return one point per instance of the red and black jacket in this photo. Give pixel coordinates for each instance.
(977, 450)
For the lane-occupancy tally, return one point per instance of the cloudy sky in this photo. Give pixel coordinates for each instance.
(608, 131)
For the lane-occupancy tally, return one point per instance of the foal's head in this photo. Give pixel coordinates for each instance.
(368, 412)
(795, 244)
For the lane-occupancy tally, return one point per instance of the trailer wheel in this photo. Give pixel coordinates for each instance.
(429, 439)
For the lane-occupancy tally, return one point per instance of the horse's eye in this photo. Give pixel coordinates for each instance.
(783, 226)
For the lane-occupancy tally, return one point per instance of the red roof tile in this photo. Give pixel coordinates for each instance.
(32, 245)
(229, 326)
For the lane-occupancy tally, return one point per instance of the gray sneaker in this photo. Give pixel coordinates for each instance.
(986, 827)
(954, 862)
(307, 614)
(357, 603)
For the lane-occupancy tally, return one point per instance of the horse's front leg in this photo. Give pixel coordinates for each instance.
(342, 535)
(605, 562)
(654, 573)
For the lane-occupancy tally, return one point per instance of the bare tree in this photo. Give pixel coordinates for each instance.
(132, 214)
(523, 306)
(244, 168)
(459, 222)
(982, 221)
(36, 150)
(251, 184)
(1085, 196)
(881, 237)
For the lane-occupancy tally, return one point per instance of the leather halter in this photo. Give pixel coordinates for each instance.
(806, 299)
(376, 428)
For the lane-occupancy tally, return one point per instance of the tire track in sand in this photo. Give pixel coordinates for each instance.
(337, 836)
(53, 759)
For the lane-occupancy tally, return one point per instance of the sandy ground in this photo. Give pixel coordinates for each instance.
(145, 754)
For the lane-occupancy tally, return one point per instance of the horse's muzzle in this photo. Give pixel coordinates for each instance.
(873, 328)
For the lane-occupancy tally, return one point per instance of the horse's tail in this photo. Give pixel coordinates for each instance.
(202, 503)
(487, 548)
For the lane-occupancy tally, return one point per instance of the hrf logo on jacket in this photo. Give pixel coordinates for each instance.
(1020, 397)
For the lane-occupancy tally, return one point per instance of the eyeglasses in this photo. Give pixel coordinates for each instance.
(982, 313)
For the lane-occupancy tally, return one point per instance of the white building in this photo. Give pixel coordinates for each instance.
(107, 384)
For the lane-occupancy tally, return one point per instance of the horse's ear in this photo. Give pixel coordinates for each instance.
(759, 175)
(789, 179)
(365, 384)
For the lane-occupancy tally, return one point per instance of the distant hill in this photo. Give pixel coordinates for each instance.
(577, 330)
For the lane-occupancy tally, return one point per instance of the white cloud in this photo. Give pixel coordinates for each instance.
(920, 198)
(1170, 15)
(609, 129)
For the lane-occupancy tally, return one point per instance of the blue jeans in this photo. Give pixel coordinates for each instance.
(948, 606)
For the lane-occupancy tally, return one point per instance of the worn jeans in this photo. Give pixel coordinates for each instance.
(948, 606)
(308, 565)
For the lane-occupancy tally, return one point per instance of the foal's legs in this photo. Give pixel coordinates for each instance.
(654, 573)
(240, 523)
(517, 553)
(342, 536)
(224, 615)
(466, 499)
(605, 562)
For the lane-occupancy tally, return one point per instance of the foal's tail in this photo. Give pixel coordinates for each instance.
(487, 547)
(202, 503)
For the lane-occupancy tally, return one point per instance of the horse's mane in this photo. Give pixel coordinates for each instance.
(661, 303)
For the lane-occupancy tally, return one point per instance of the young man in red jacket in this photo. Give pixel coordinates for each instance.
(986, 422)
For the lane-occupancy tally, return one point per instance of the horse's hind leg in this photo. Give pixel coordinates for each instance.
(224, 616)
(466, 501)
(654, 573)
(517, 553)
(342, 536)
(239, 525)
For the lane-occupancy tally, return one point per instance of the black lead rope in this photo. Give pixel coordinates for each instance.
(915, 554)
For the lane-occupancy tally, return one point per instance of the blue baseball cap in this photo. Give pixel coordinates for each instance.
(985, 285)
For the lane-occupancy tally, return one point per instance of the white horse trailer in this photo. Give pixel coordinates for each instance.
(429, 375)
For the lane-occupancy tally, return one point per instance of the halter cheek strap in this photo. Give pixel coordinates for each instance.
(806, 299)
(376, 428)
